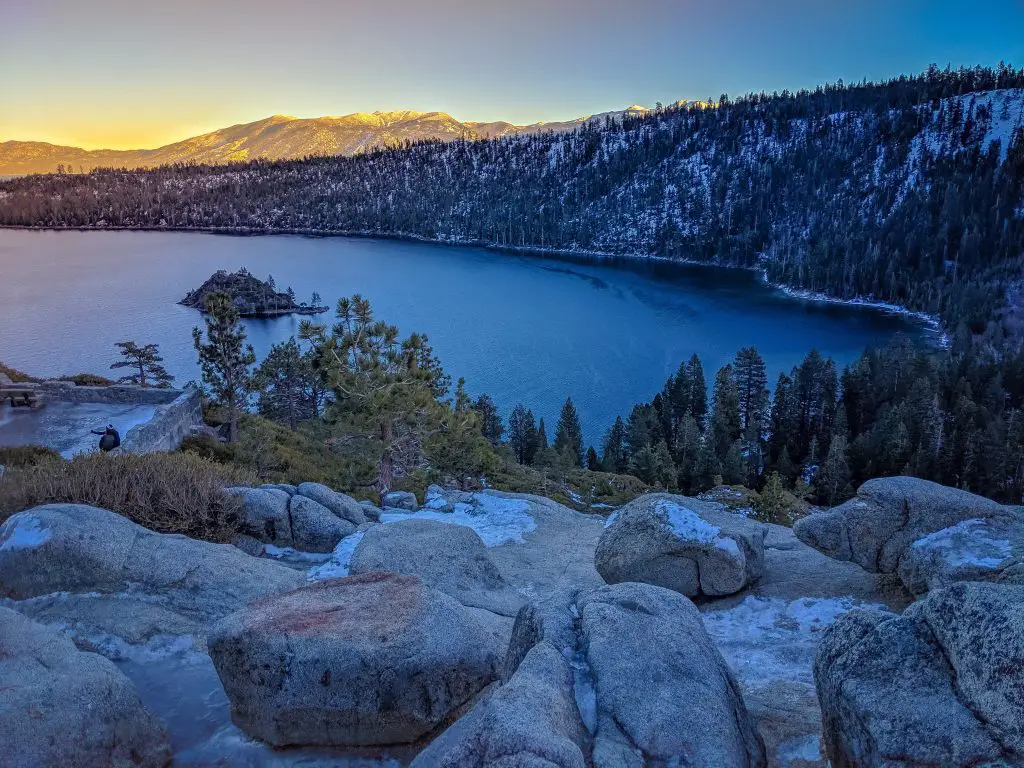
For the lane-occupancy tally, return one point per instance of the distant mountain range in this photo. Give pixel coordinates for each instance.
(277, 138)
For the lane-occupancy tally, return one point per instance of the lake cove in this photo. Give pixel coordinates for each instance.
(521, 328)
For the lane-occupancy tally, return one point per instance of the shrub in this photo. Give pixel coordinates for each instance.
(166, 492)
(88, 380)
(18, 377)
(27, 455)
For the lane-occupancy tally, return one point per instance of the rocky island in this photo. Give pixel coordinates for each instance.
(253, 297)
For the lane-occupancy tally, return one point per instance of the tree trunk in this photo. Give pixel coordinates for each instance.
(386, 470)
(233, 423)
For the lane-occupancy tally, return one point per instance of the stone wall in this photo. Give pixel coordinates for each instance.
(171, 424)
(67, 392)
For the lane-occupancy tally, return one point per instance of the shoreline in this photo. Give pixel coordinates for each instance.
(931, 322)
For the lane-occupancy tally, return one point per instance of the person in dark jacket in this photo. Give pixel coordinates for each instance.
(110, 439)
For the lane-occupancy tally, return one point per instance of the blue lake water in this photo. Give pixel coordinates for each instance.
(522, 329)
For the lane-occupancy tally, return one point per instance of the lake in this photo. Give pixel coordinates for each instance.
(521, 328)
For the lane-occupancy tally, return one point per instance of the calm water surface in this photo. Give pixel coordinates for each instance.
(522, 329)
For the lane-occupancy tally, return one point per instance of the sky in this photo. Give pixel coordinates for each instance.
(136, 73)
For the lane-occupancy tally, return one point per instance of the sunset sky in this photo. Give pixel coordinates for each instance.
(131, 73)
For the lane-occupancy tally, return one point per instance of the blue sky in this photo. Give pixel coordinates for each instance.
(120, 73)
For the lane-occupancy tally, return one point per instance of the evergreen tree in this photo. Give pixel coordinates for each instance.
(225, 358)
(773, 503)
(569, 434)
(613, 457)
(832, 481)
(490, 419)
(593, 463)
(386, 392)
(145, 364)
(522, 434)
(752, 390)
(290, 390)
(458, 449)
(698, 389)
(725, 414)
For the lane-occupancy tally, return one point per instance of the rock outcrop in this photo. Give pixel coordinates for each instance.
(63, 707)
(341, 505)
(690, 546)
(274, 516)
(82, 549)
(373, 659)
(649, 687)
(400, 500)
(941, 684)
(451, 558)
(930, 534)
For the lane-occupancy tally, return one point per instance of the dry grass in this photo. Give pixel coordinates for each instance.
(166, 492)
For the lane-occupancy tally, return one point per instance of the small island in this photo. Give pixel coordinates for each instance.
(253, 297)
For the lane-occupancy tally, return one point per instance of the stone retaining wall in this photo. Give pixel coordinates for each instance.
(171, 424)
(67, 392)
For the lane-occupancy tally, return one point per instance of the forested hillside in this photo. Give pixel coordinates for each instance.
(908, 192)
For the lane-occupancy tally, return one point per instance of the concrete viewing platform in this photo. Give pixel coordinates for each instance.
(147, 419)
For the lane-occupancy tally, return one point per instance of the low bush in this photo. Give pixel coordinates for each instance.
(88, 380)
(27, 455)
(166, 492)
(18, 377)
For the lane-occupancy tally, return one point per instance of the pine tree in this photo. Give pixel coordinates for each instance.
(290, 390)
(145, 362)
(773, 503)
(832, 481)
(569, 434)
(490, 419)
(613, 457)
(458, 448)
(225, 358)
(593, 463)
(698, 389)
(752, 390)
(725, 414)
(522, 434)
(387, 392)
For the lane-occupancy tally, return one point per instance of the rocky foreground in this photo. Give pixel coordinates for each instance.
(494, 629)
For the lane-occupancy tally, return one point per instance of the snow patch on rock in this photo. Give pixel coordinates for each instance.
(26, 533)
(341, 558)
(495, 519)
(966, 545)
(689, 526)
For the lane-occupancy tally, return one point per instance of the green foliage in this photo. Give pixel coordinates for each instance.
(774, 504)
(522, 434)
(27, 455)
(88, 380)
(16, 376)
(225, 358)
(569, 434)
(458, 451)
(145, 365)
(490, 420)
(289, 386)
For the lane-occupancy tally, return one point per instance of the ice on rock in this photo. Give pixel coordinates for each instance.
(689, 526)
(337, 566)
(966, 545)
(495, 519)
(27, 532)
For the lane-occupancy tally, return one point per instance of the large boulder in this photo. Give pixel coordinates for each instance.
(314, 527)
(451, 558)
(372, 659)
(691, 546)
(648, 684)
(400, 500)
(78, 548)
(341, 505)
(941, 684)
(63, 707)
(639, 638)
(532, 721)
(265, 514)
(876, 528)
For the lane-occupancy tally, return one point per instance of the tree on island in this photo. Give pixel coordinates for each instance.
(315, 302)
(145, 363)
(225, 358)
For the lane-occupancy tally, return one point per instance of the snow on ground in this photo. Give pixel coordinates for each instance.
(27, 533)
(689, 526)
(497, 520)
(966, 544)
(769, 638)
